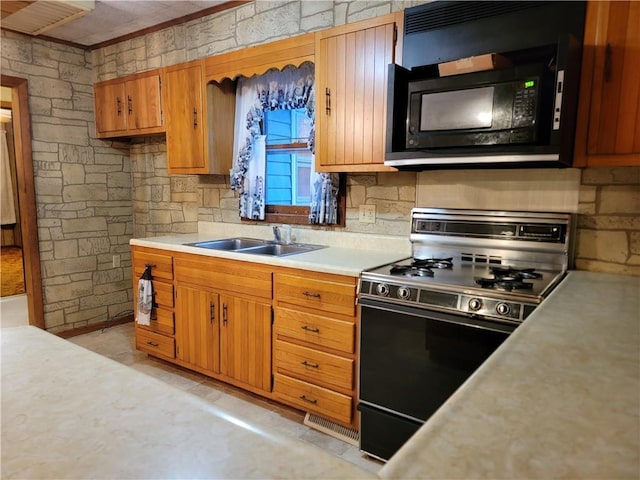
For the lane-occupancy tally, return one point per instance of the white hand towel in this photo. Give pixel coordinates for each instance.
(145, 301)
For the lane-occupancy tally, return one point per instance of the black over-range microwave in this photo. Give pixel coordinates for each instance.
(495, 107)
(520, 115)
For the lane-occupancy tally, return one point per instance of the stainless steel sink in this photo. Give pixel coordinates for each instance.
(281, 249)
(257, 247)
(229, 243)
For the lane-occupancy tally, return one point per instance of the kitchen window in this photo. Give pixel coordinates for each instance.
(273, 152)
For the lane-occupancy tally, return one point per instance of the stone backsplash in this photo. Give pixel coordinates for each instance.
(609, 221)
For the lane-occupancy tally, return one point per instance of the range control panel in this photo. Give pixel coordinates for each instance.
(474, 305)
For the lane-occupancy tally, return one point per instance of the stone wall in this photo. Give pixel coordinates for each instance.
(83, 186)
(609, 222)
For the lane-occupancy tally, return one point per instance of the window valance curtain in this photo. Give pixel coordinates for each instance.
(291, 88)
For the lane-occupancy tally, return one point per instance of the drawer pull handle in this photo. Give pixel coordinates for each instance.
(308, 400)
(212, 314)
(309, 364)
(311, 294)
(153, 344)
(311, 329)
(224, 314)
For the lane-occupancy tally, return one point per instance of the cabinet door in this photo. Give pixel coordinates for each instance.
(197, 328)
(144, 107)
(110, 104)
(245, 341)
(608, 130)
(351, 94)
(184, 119)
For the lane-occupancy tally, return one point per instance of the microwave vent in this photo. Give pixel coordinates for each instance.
(444, 14)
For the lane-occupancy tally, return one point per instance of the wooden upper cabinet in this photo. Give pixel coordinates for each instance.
(129, 106)
(608, 128)
(351, 93)
(257, 60)
(183, 98)
(110, 100)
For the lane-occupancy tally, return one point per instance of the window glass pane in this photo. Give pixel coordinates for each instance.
(289, 165)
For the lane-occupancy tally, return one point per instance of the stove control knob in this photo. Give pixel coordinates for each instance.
(382, 289)
(503, 309)
(475, 304)
(404, 293)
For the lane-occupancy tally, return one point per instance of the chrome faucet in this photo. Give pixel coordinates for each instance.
(279, 230)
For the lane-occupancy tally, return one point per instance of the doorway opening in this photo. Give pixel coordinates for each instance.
(24, 233)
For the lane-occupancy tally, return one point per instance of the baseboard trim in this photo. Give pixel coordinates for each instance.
(95, 326)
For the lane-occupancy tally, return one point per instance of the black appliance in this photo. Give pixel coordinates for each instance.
(429, 321)
(516, 116)
(496, 107)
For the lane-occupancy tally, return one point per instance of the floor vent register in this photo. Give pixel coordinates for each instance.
(332, 429)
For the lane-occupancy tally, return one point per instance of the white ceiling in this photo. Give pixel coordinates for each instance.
(111, 19)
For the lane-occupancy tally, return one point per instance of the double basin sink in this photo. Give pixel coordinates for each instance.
(256, 246)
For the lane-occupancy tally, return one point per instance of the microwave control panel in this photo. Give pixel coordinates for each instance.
(524, 104)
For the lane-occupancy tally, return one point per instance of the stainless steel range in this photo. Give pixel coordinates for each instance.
(429, 321)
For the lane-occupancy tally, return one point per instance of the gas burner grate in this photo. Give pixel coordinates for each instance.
(411, 271)
(506, 285)
(510, 273)
(509, 278)
(433, 262)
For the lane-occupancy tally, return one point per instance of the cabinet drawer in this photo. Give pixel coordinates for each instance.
(327, 296)
(316, 329)
(163, 294)
(155, 343)
(161, 264)
(312, 398)
(325, 369)
(161, 321)
(228, 275)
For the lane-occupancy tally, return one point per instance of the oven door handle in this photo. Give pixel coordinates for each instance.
(462, 319)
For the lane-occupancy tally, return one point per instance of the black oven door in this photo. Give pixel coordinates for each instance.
(411, 361)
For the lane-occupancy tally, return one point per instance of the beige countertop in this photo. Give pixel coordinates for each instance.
(345, 253)
(559, 399)
(70, 413)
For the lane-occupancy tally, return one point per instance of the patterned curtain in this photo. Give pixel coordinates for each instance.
(291, 88)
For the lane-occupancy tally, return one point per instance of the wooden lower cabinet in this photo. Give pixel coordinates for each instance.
(223, 320)
(157, 338)
(282, 333)
(198, 330)
(314, 348)
(245, 341)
